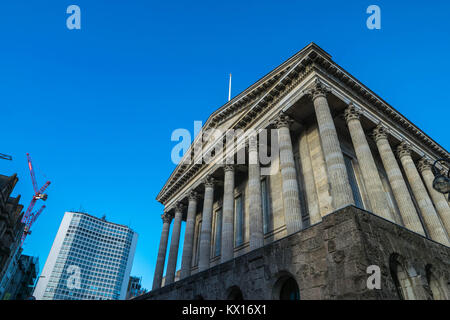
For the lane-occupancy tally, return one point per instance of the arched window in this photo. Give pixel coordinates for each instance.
(401, 278)
(289, 290)
(435, 286)
(234, 293)
(286, 288)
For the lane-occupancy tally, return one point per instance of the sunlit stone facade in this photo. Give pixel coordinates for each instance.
(352, 189)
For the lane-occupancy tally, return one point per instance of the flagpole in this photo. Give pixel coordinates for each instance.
(229, 89)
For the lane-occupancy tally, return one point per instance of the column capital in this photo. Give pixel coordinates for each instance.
(283, 120)
(444, 171)
(317, 90)
(352, 112)
(179, 207)
(193, 196)
(424, 164)
(403, 149)
(166, 218)
(208, 181)
(229, 167)
(380, 132)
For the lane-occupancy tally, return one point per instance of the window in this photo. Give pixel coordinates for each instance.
(353, 182)
(218, 232)
(286, 288)
(197, 241)
(401, 278)
(239, 221)
(436, 289)
(234, 293)
(289, 290)
(265, 205)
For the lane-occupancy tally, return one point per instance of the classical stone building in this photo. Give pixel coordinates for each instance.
(352, 189)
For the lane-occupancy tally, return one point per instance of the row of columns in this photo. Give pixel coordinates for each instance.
(291, 204)
(377, 195)
(340, 190)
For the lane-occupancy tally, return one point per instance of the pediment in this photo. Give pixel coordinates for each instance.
(242, 110)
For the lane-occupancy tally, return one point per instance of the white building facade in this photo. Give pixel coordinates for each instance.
(90, 259)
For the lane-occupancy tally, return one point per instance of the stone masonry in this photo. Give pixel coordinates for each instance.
(328, 260)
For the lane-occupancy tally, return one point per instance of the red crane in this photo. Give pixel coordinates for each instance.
(29, 218)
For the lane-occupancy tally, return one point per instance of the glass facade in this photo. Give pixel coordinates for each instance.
(92, 261)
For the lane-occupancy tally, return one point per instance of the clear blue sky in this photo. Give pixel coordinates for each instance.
(96, 107)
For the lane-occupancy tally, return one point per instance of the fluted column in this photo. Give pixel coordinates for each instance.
(227, 245)
(341, 191)
(439, 200)
(254, 195)
(159, 269)
(308, 177)
(402, 196)
(292, 213)
(205, 235)
(174, 244)
(186, 259)
(369, 170)
(445, 172)
(429, 215)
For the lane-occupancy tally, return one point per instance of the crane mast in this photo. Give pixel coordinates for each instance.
(30, 217)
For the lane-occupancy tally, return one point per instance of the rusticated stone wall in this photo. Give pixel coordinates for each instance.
(328, 260)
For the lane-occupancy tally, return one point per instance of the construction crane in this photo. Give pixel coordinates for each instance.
(30, 217)
(29, 222)
(5, 156)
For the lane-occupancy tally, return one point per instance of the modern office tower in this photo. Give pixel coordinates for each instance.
(90, 259)
(134, 287)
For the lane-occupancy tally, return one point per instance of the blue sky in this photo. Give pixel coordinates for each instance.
(96, 107)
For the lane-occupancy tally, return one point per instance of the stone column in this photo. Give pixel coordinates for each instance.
(341, 191)
(227, 244)
(429, 215)
(402, 196)
(369, 170)
(308, 177)
(292, 213)
(254, 195)
(205, 234)
(174, 244)
(444, 172)
(439, 200)
(159, 269)
(186, 259)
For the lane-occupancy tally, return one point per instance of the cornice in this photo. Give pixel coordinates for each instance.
(272, 88)
(286, 82)
(332, 70)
